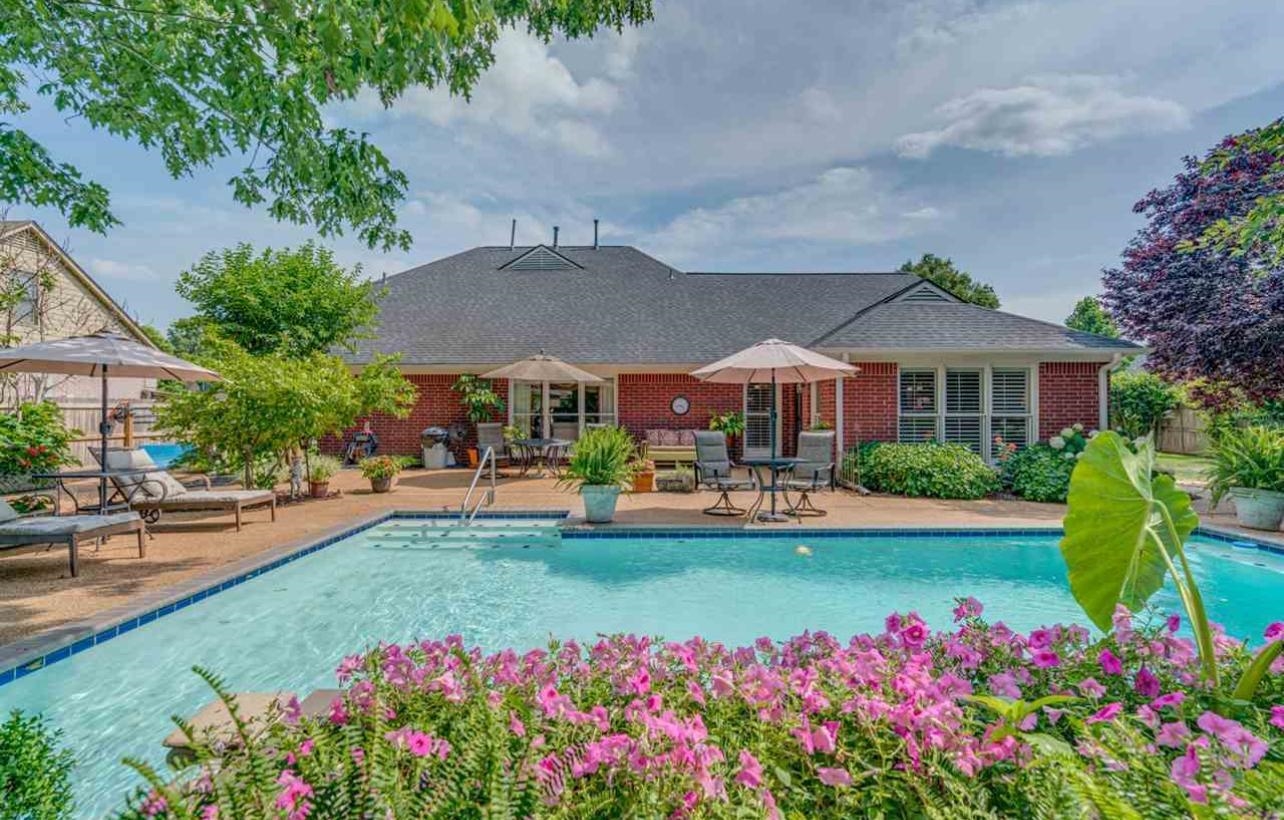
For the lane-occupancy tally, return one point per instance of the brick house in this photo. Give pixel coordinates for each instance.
(930, 365)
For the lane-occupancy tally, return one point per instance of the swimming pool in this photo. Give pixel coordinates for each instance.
(165, 453)
(519, 585)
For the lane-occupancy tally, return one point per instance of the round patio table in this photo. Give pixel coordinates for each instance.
(777, 466)
(544, 452)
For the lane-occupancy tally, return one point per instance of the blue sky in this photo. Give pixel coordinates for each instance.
(754, 135)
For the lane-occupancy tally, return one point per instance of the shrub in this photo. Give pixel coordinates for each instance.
(1041, 472)
(603, 457)
(34, 771)
(929, 470)
(972, 721)
(322, 468)
(1139, 401)
(377, 468)
(1251, 457)
(34, 440)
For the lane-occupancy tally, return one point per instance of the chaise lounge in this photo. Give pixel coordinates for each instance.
(71, 530)
(152, 491)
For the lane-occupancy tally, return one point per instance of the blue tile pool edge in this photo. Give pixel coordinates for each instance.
(63, 647)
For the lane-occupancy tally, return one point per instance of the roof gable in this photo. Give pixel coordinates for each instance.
(541, 257)
(925, 291)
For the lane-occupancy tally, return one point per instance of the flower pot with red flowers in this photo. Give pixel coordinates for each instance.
(381, 470)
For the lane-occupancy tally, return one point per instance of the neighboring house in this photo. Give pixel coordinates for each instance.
(45, 295)
(930, 365)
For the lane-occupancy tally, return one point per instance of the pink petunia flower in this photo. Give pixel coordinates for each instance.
(1089, 688)
(1173, 623)
(750, 773)
(1277, 717)
(834, 777)
(1146, 684)
(1173, 735)
(1173, 699)
(1274, 631)
(1106, 713)
(1046, 659)
(1110, 663)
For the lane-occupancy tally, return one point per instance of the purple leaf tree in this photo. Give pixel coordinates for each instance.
(1207, 312)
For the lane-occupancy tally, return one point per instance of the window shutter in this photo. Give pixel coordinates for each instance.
(918, 391)
(963, 392)
(1010, 403)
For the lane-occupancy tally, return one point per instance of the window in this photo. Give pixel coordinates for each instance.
(570, 407)
(1010, 406)
(26, 309)
(964, 408)
(918, 406)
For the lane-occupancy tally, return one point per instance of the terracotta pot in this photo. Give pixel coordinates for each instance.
(381, 485)
(319, 489)
(644, 482)
(473, 457)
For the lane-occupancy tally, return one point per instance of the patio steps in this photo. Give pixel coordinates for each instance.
(451, 534)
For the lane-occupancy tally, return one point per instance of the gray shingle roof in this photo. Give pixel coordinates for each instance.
(623, 306)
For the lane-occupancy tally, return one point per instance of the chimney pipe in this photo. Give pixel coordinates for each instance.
(512, 235)
(595, 234)
(555, 230)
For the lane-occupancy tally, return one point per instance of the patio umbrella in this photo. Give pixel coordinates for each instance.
(776, 362)
(101, 354)
(542, 368)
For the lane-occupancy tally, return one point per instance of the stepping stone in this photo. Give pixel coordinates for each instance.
(214, 724)
(317, 704)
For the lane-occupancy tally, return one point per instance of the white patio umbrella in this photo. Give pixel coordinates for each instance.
(544, 369)
(105, 353)
(775, 362)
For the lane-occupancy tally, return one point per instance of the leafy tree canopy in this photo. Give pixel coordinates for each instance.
(292, 302)
(1090, 317)
(269, 404)
(943, 273)
(1206, 312)
(228, 78)
(1259, 229)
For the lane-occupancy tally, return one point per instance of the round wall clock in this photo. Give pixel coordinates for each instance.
(680, 405)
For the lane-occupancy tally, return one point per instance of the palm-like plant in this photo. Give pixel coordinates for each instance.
(603, 457)
(1248, 457)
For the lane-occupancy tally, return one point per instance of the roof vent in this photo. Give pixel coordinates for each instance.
(541, 257)
(924, 292)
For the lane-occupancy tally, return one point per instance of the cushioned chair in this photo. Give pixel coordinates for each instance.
(815, 472)
(152, 491)
(491, 434)
(714, 471)
(72, 530)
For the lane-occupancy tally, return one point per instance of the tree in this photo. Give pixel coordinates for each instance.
(941, 272)
(156, 338)
(268, 405)
(1206, 312)
(201, 82)
(1139, 402)
(1261, 227)
(293, 302)
(1090, 317)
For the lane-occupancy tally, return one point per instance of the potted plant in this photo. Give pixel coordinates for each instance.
(320, 470)
(643, 475)
(601, 466)
(732, 425)
(480, 403)
(1248, 465)
(381, 470)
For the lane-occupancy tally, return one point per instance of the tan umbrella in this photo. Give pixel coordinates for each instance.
(101, 354)
(544, 369)
(776, 362)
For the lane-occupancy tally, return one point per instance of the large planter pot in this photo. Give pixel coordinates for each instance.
(599, 503)
(319, 489)
(1258, 509)
(381, 485)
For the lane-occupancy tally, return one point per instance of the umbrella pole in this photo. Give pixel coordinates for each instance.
(772, 417)
(103, 429)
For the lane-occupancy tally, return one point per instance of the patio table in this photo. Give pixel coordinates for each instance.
(777, 466)
(115, 503)
(533, 451)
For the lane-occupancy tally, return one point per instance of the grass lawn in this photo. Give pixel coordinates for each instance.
(1187, 469)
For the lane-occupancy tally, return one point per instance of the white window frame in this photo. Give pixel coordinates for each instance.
(546, 416)
(939, 388)
(987, 413)
(982, 418)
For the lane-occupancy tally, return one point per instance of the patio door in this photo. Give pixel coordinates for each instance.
(757, 442)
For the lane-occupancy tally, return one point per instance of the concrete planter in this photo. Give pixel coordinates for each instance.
(1258, 509)
(599, 503)
(381, 485)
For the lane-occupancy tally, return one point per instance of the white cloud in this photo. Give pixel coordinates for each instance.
(527, 93)
(1047, 117)
(113, 269)
(848, 205)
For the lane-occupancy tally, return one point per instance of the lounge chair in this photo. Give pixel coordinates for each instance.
(152, 491)
(814, 473)
(71, 530)
(713, 471)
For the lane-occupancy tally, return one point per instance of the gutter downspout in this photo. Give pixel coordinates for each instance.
(839, 442)
(1103, 391)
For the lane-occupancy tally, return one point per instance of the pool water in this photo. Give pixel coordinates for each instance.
(517, 584)
(165, 454)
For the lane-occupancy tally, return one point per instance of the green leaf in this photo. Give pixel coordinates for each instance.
(1257, 670)
(1118, 542)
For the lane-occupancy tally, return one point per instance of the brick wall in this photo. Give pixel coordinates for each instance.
(869, 403)
(1067, 394)
(644, 401)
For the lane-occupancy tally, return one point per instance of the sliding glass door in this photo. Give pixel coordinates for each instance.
(571, 408)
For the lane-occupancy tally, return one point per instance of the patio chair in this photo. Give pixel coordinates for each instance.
(713, 471)
(815, 472)
(491, 434)
(71, 530)
(153, 491)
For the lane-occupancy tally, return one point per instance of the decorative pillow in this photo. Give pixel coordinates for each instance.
(670, 438)
(653, 437)
(686, 438)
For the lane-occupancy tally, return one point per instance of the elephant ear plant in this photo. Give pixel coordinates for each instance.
(1124, 532)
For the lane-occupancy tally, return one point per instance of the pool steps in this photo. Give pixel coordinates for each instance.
(448, 534)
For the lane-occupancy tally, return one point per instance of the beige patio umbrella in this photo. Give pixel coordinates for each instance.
(544, 369)
(775, 362)
(105, 353)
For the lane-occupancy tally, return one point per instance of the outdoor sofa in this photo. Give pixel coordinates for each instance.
(671, 446)
(152, 491)
(71, 530)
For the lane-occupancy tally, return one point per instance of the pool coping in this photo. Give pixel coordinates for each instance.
(24, 657)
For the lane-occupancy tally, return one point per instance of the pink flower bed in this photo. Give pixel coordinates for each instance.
(894, 722)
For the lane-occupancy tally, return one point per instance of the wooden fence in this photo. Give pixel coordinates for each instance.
(137, 429)
(1183, 432)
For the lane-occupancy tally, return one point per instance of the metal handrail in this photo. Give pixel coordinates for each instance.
(488, 456)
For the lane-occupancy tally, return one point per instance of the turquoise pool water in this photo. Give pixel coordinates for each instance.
(288, 628)
(165, 454)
